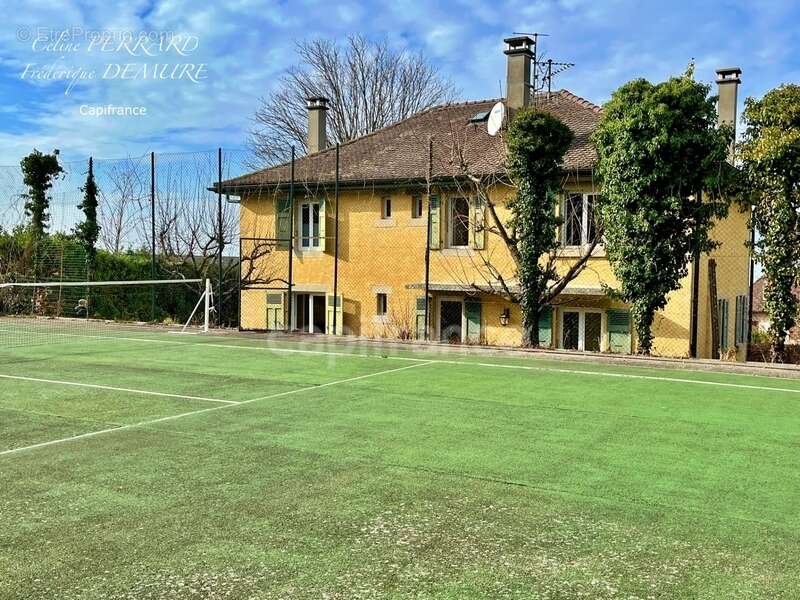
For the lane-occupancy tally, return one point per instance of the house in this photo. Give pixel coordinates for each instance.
(380, 251)
(760, 317)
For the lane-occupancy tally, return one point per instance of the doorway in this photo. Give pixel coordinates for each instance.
(309, 313)
(451, 316)
(582, 329)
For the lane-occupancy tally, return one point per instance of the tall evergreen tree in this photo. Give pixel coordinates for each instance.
(662, 166)
(88, 230)
(770, 153)
(38, 172)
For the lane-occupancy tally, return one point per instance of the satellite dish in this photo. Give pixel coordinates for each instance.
(496, 116)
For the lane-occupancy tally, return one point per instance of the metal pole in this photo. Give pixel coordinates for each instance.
(750, 291)
(240, 285)
(428, 240)
(336, 245)
(153, 234)
(220, 239)
(291, 243)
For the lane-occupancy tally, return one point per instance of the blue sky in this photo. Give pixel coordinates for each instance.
(244, 46)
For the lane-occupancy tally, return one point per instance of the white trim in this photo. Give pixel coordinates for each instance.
(310, 308)
(206, 410)
(457, 299)
(115, 389)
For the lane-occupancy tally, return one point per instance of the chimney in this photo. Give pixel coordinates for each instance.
(518, 74)
(728, 83)
(317, 123)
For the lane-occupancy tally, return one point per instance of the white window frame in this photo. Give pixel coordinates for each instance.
(584, 218)
(386, 207)
(314, 239)
(416, 201)
(582, 327)
(450, 220)
(439, 316)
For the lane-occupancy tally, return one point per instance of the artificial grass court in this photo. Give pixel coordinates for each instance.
(149, 465)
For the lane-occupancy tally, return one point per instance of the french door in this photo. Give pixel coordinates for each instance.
(582, 329)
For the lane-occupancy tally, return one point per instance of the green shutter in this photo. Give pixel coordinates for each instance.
(282, 223)
(619, 330)
(275, 311)
(546, 327)
(420, 317)
(435, 221)
(722, 312)
(472, 311)
(478, 223)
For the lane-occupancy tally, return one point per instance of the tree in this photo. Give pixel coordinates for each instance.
(537, 142)
(88, 231)
(540, 268)
(369, 86)
(770, 153)
(38, 172)
(662, 170)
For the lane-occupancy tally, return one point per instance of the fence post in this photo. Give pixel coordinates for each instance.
(153, 234)
(428, 242)
(750, 289)
(336, 246)
(220, 239)
(288, 319)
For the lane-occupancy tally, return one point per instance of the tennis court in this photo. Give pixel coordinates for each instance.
(145, 464)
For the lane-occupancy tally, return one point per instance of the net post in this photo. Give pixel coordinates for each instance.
(207, 305)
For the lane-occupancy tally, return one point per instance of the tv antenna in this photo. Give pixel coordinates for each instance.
(543, 70)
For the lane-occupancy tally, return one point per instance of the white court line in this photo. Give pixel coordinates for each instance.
(115, 389)
(203, 410)
(465, 362)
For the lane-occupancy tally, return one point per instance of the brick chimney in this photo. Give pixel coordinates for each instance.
(728, 84)
(317, 123)
(518, 74)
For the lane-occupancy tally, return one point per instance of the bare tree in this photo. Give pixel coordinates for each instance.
(368, 84)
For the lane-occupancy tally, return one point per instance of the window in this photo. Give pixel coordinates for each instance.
(416, 207)
(309, 225)
(458, 223)
(383, 304)
(579, 220)
(386, 210)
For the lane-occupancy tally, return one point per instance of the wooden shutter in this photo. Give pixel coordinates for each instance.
(330, 307)
(282, 223)
(420, 317)
(546, 327)
(472, 312)
(328, 230)
(619, 330)
(737, 321)
(323, 239)
(275, 311)
(478, 223)
(435, 225)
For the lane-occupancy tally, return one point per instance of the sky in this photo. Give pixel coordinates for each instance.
(61, 60)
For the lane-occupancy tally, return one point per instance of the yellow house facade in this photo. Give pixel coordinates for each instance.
(405, 221)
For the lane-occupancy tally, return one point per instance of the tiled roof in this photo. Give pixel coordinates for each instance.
(758, 294)
(399, 152)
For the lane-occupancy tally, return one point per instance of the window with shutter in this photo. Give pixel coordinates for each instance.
(619, 330)
(472, 313)
(435, 221)
(546, 327)
(420, 317)
(282, 222)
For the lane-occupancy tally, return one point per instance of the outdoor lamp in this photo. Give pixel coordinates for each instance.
(504, 316)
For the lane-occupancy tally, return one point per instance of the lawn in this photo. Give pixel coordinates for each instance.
(226, 467)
